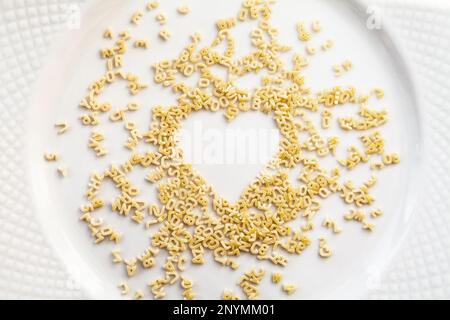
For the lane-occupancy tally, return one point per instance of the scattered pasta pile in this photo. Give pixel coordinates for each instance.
(191, 216)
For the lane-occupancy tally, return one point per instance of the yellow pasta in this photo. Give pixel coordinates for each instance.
(51, 156)
(316, 26)
(124, 288)
(324, 250)
(327, 45)
(161, 18)
(376, 213)
(116, 256)
(141, 44)
(63, 171)
(165, 34)
(152, 5)
(138, 295)
(276, 277)
(183, 9)
(303, 34)
(289, 289)
(311, 50)
(131, 267)
(379, 93)
(228, 295)
(273, 218)
(136, 18)
(331, 224)
(62, 127)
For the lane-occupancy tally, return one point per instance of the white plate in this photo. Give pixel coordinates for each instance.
(360, 259)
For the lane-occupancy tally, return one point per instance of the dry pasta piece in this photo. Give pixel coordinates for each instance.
(125, 35)
(368, 226)
(228, 295)
(138, 295)
(354, 158)
(390, 159)
(62, 127)
(131, 267)
(150, 223)
(327, 45)
(188, 294)
(377, 166)
(196, 37)
(249, 283)
(95, 144)
(316, 26)
(152, 5)
(63, 171)
(108, 34)
(226, 24)
(331, 224)
(326, 123)
(324, 249)
(51, 156)
(379, 93)
(308, 226)
(117, 258)
(124, 288)
(140, 43)
(338, 70)
(90, 119)
(276, 277)
(355, 215)
(311, 50)
(376, 213)
(374, 143)
(136, 17)
(303, 34)
(347, 65)
(186, 283)
(289, 289)
(161, 18)
(184, 9)
(165, 34)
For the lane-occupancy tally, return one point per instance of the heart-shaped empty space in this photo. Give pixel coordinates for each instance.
(229, 154)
